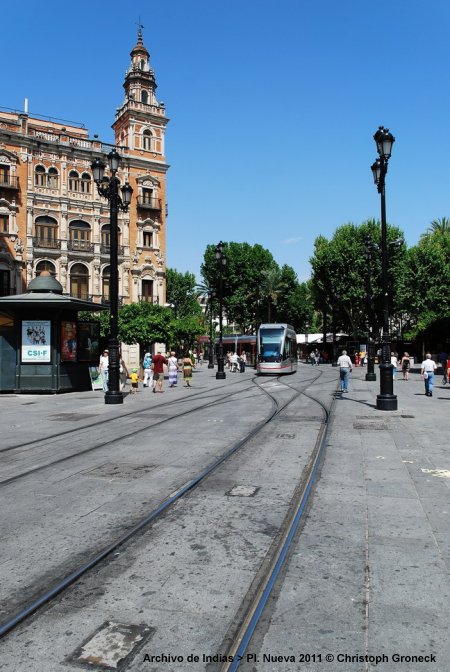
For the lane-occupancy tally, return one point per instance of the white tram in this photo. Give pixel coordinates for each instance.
(276, 349)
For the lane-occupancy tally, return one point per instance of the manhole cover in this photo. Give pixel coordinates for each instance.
(72, 416)
(285, 436)
(112, 645)
(126, 472)
(242, 491)
(376, 426)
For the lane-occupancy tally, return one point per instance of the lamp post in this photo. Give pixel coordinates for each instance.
(211, 337)
(333, 307)
(221, 262)
(108, 187)
(386, 400)
(306, 341)
(370, 246)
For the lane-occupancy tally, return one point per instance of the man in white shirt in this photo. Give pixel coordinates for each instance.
(427, 369)
(345, 367)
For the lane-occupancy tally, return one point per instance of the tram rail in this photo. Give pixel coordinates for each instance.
(45, 595)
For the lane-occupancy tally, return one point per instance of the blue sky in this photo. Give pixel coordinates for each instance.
(273, 107)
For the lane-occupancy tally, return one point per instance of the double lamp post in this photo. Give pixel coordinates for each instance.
(108, 187)
(386, 400)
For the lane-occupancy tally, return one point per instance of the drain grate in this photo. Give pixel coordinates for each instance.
(67, 417)
(112, 645)
(242, 491)
(285, 436)
(376, 426)
(120, 471)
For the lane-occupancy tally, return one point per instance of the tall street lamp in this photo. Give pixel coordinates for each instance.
(370, 247)
(108, 187)
(306, 341)
(386, 400)
(334, 309)
(221, 263)
(211, 295)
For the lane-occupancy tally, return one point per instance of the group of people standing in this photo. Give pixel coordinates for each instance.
(153, 368)
(427, 369)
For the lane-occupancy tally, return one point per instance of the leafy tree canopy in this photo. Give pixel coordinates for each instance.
(181, 293)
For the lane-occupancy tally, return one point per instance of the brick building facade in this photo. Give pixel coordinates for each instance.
(51, 216)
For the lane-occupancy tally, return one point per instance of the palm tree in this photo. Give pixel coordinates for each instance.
(440, 225)
(271, 287)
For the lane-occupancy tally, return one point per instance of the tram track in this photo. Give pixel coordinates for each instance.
(46, 595)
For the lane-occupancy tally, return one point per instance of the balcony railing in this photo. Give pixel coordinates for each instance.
(82, 295)
(106, 300)
(80, 246)
(47, 243)
(105, 249)
(9, 182)
(147, 203)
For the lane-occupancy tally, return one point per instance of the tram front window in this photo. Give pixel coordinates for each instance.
(270, 344)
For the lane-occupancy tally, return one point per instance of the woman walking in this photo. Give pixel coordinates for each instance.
(187, 370)
(173, 369)
(405, 365)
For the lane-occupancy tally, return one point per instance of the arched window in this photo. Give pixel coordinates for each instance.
(106, 237)
(46, 232)
(85, 183)
(74, 181)
(52, 178)
(79, 282)
(106, 275)
(144, 97)
(79, 235)
(142, 66)
(146, 139)
(39, 176)
(45, 266)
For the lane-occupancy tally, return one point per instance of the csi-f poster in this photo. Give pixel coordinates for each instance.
(68, 341)
(36, 345)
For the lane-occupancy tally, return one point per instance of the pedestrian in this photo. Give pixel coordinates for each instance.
(134, 381)
(405, 364)
(443, 359)
(243, 362)
(345, 368)
(356, 359)
(234, 362)
(103, 369)
(123, 373)
(173, 369)
(394, 364)
(188, 365)
(158, 371)
(427, 370)
(148, 371)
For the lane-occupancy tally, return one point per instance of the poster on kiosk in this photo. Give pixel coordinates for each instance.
(36, 345)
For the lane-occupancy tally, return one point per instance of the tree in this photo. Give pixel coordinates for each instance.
(242, 279)
(424, 283)
(340, 273)
(145, 323)
(181, 293)
(440, 225)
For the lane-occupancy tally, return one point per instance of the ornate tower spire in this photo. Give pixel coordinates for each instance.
(140, 84)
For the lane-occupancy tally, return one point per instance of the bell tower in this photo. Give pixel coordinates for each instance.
(139, 130)
(140, 121)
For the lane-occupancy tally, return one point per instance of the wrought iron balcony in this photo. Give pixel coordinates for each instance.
(105, 299)
(82, 295)
(80, 246)
(105, 249)
(149, 203)
(47, 243)
(9, 182)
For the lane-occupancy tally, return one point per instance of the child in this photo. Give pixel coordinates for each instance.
(134, 381)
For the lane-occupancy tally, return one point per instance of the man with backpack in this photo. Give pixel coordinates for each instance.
(148, 371)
